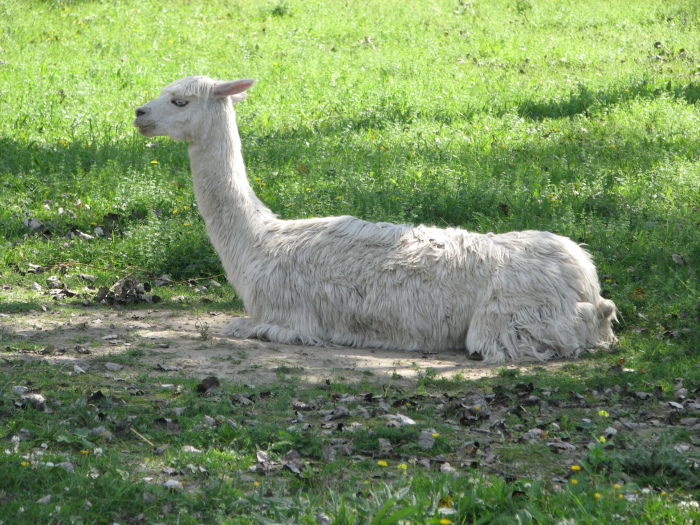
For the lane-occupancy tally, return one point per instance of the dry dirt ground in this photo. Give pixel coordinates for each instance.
(169, 340)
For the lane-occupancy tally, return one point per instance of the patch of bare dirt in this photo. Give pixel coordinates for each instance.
(173, 341)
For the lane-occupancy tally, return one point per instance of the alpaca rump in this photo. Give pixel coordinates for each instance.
(344, 281)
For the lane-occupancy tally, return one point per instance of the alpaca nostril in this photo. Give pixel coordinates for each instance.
(140, 112)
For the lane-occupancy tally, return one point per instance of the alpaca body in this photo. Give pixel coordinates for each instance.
(344, 281)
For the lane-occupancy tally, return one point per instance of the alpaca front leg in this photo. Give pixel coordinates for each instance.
(287, 336)
(239, 327)
(246, 328)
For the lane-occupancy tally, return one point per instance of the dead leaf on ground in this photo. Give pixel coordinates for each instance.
(207, 385)
(169, 425)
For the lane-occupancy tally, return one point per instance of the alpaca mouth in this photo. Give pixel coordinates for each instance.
(144, 128)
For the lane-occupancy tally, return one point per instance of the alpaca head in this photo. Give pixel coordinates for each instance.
(186, 109)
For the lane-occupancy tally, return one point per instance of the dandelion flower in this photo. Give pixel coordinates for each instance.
(402, 466)
(444, 521)
(575, 467)
(382, 463)
(445, 502)
(24, 463)
(435, 434)
(84, 452)
(597, 495)
(574, 481)
(603, 413)
(616, 486)
(154, 162)
(256, 483)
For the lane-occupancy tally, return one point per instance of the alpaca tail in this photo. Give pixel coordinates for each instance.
(606, 314)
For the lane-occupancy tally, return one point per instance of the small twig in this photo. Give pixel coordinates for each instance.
(142, 437)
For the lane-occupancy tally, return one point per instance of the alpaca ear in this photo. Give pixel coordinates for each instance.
(234, 89)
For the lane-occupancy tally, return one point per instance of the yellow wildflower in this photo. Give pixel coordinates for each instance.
(575, 467)
(597, 495)
(445, 501)
(382, 463)
(574, 481)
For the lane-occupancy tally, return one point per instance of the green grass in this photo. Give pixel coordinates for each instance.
(103, 450)
(574, 117)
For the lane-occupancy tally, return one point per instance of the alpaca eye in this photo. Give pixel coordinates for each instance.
(180, 103)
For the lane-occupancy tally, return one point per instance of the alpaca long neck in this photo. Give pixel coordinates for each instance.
(236, 220)
(224, 196)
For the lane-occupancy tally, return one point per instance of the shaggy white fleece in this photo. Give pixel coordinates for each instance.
(344, 281)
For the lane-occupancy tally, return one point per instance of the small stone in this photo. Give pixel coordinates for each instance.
(66, 465)
(174, 484)
(35, 400)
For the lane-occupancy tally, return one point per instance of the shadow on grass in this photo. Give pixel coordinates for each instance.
(461, 185)
(583, 99)
(479, 186)
(21, 307)
(388, 111)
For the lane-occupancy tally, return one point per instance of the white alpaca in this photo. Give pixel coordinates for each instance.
(344, 281)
